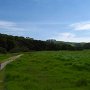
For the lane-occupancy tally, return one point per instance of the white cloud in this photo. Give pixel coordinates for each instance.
(67, 35)
(80, 26)
(70, 37)
(7, 25)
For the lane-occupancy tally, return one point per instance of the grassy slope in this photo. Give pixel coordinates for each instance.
(50, 71)
(3, 57)
(1, 79)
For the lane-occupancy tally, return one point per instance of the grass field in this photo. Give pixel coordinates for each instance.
(3, 58)
(63, 70)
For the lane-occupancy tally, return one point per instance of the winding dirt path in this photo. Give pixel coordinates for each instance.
(9, 60)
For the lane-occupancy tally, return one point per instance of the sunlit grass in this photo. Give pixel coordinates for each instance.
(63, 70)
(4, 57)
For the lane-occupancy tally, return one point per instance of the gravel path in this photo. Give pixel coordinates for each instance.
(3, 64)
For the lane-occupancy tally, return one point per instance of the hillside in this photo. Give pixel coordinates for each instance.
(9, 43)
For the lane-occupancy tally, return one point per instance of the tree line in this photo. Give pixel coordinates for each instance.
(9, 43)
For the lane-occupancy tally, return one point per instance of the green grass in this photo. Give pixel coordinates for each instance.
(2, 80)
(64, 70)
(4, 57)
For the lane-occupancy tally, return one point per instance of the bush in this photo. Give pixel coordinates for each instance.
(3, 50)
(19, 49)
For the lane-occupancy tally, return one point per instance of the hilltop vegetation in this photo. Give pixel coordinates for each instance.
(9, 43)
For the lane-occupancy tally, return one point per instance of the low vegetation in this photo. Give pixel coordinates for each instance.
(4, 57)
(49, 70)
(2, 80)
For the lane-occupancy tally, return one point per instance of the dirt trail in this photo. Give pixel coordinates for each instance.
(3, 64)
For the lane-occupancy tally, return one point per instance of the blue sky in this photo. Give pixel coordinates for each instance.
(63, 20)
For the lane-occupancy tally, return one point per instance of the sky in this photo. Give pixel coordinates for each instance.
(63, 20)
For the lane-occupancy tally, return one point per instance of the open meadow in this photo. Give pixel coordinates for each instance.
(49, 70)
(3, 58)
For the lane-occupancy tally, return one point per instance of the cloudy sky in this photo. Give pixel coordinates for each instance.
(63, 20)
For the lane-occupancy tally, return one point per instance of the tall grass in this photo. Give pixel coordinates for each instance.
(63, 70)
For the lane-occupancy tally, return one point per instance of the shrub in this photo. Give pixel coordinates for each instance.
(19, 49)
(3, 50)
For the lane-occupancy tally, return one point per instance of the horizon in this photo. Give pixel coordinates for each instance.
(45, 40)
(62, 20)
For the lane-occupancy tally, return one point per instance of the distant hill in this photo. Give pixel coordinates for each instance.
(9, 43)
